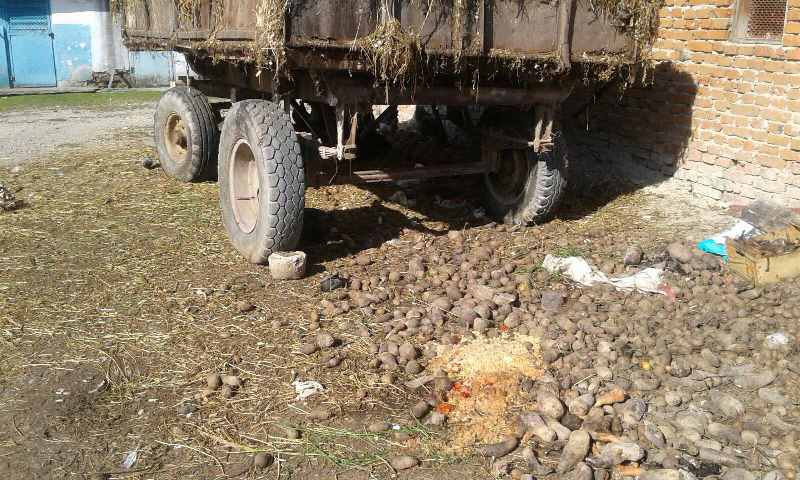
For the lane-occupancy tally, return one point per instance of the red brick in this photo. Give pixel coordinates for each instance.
(704, 103)
(675, 34)
(776, 115)
(771, 161)
(669, 44)
(720, 23)
(765, 51)
(747, 99)
(779, 140)
(746, 110)
(790, 155)
(749, 74)
(740, 62)
(665, 54)
(724, 162)
(709, 34)
(769, 150)
(762, 101)
(730, 49)
(746, 49)
(699, 46)
(774, 65)
(758, 135)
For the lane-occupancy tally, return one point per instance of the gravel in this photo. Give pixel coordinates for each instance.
(23, 142)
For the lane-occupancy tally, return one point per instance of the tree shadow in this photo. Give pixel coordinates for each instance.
(621, 140)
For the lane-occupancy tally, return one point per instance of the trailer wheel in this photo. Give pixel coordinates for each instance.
(186, 135)
(526, 187)
(261, 180)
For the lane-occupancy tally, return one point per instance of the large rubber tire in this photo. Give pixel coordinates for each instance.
(530, 191)
(261, 180)
(186, 135)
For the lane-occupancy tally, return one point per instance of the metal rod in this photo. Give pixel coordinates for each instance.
(377, 176)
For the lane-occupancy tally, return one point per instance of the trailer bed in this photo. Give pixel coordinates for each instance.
(342, 34)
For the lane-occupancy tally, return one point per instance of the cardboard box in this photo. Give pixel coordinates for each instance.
(760, 267)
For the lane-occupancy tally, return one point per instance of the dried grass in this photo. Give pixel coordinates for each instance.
(270, 42)
(188, 13)
(394, 56)
(636, 18)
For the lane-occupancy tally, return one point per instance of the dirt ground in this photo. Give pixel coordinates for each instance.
(35, 126)
(120, 295)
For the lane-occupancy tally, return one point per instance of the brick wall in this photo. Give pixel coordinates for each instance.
(722, 119)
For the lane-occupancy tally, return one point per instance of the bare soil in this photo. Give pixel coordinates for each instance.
(120, 293)
(36, 126)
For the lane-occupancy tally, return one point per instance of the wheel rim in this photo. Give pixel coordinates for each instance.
(507, 183)
(176, 138)
(245, 186)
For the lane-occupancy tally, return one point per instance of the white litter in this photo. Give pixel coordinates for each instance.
(717, 245)
(130, 459)
(579, 270)
(777, 340)
(306, 389)
(741, 229)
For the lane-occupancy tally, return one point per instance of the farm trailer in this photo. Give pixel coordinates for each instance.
(302, 73)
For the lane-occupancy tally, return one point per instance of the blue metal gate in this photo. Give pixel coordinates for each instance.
(32, 56)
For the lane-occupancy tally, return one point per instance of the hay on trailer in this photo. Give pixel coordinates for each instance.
(270, 42)
(637, 19)
(393, 55)
(188, 13)
(396, 55)
(115, 6)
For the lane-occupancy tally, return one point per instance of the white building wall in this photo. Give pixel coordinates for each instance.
(87, 40)
(70, 18)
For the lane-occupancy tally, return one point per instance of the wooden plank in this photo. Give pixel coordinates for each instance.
(431, 20)
(198, 19)
(337, 21)
(239, 15)
(527, 27)
(522, 28)
(193, 34)
(162, 16)
(376, 176)
(593, 34)
(234, 34)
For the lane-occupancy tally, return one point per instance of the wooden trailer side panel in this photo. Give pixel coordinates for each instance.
(337, 22)
(592, 34)
(150, 18)
(525, 28)
(433, 22)
(238, 20)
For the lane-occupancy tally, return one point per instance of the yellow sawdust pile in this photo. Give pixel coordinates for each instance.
(486, 394)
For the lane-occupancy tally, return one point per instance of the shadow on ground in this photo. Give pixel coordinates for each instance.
(624, 139)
